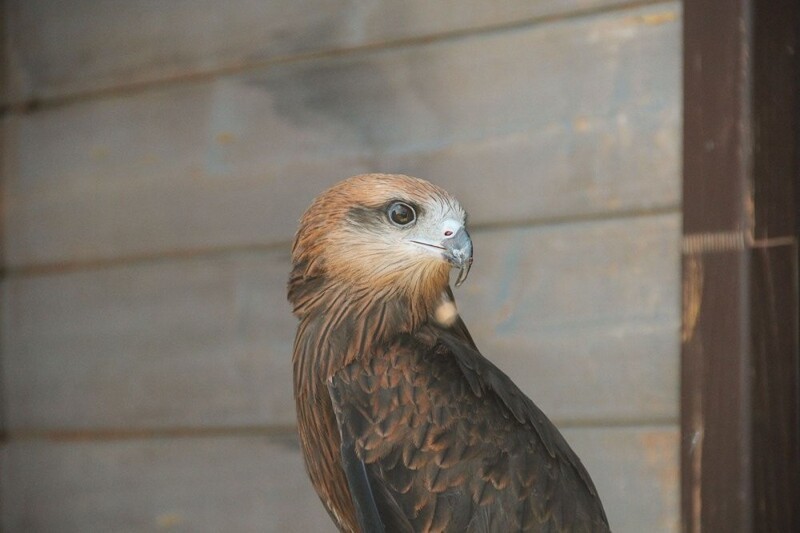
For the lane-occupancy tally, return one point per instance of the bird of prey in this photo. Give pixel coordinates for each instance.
(403, 424)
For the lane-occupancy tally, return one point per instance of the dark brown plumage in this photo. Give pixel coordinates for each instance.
(404, 425)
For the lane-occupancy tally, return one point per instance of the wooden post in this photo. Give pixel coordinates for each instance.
(4, 92)
(740, 421)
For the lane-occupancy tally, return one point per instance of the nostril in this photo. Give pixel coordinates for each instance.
(448, 233)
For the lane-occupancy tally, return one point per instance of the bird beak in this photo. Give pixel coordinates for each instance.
(458, 252)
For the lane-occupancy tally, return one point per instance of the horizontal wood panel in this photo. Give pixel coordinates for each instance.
(583, 315)
(186, 343)
(636, 471)
(61, 48)
(259, 484)
(555, 120)
(185, 484)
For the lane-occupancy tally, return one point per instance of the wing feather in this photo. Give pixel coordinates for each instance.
(449, 443)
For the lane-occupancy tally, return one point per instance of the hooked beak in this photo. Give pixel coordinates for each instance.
(458, 252)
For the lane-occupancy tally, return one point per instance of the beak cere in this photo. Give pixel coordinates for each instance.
(458, 252)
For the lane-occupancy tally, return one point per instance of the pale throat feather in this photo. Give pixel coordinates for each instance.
(446, 313)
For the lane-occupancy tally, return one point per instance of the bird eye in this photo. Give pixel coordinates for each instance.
(401, 214)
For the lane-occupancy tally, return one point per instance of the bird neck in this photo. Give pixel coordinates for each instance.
(341, 322)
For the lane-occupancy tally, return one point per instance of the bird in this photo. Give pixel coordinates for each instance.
(403, 424)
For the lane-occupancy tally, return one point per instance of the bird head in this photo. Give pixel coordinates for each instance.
(381, 230)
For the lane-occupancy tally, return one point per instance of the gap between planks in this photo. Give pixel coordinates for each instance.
(33, 104)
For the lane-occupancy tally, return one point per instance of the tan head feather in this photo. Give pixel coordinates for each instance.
(345, 234)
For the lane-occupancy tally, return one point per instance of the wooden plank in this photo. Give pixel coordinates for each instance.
(188, 343)
(58, 49)
(207, 341)
(636, 471)
(596, 296)
(258, 484)
(186, 484)
(558, 120)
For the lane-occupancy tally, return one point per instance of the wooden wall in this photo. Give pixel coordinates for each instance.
(157, 156)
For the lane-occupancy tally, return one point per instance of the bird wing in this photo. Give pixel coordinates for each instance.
(366, 492)
(486, 379)
(436, 438)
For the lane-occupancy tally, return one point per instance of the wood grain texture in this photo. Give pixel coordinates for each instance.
(207, 341)
(740, 400)
(776, 392)
(191, 484)
(58, 49)
(259, 484)
(587, 124)
(175, 344)
(601, 297)
(636, 471)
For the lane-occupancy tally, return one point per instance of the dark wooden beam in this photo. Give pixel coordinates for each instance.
(4, 86)
(740, 448)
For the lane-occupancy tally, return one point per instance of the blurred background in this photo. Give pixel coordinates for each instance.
(158, 155)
